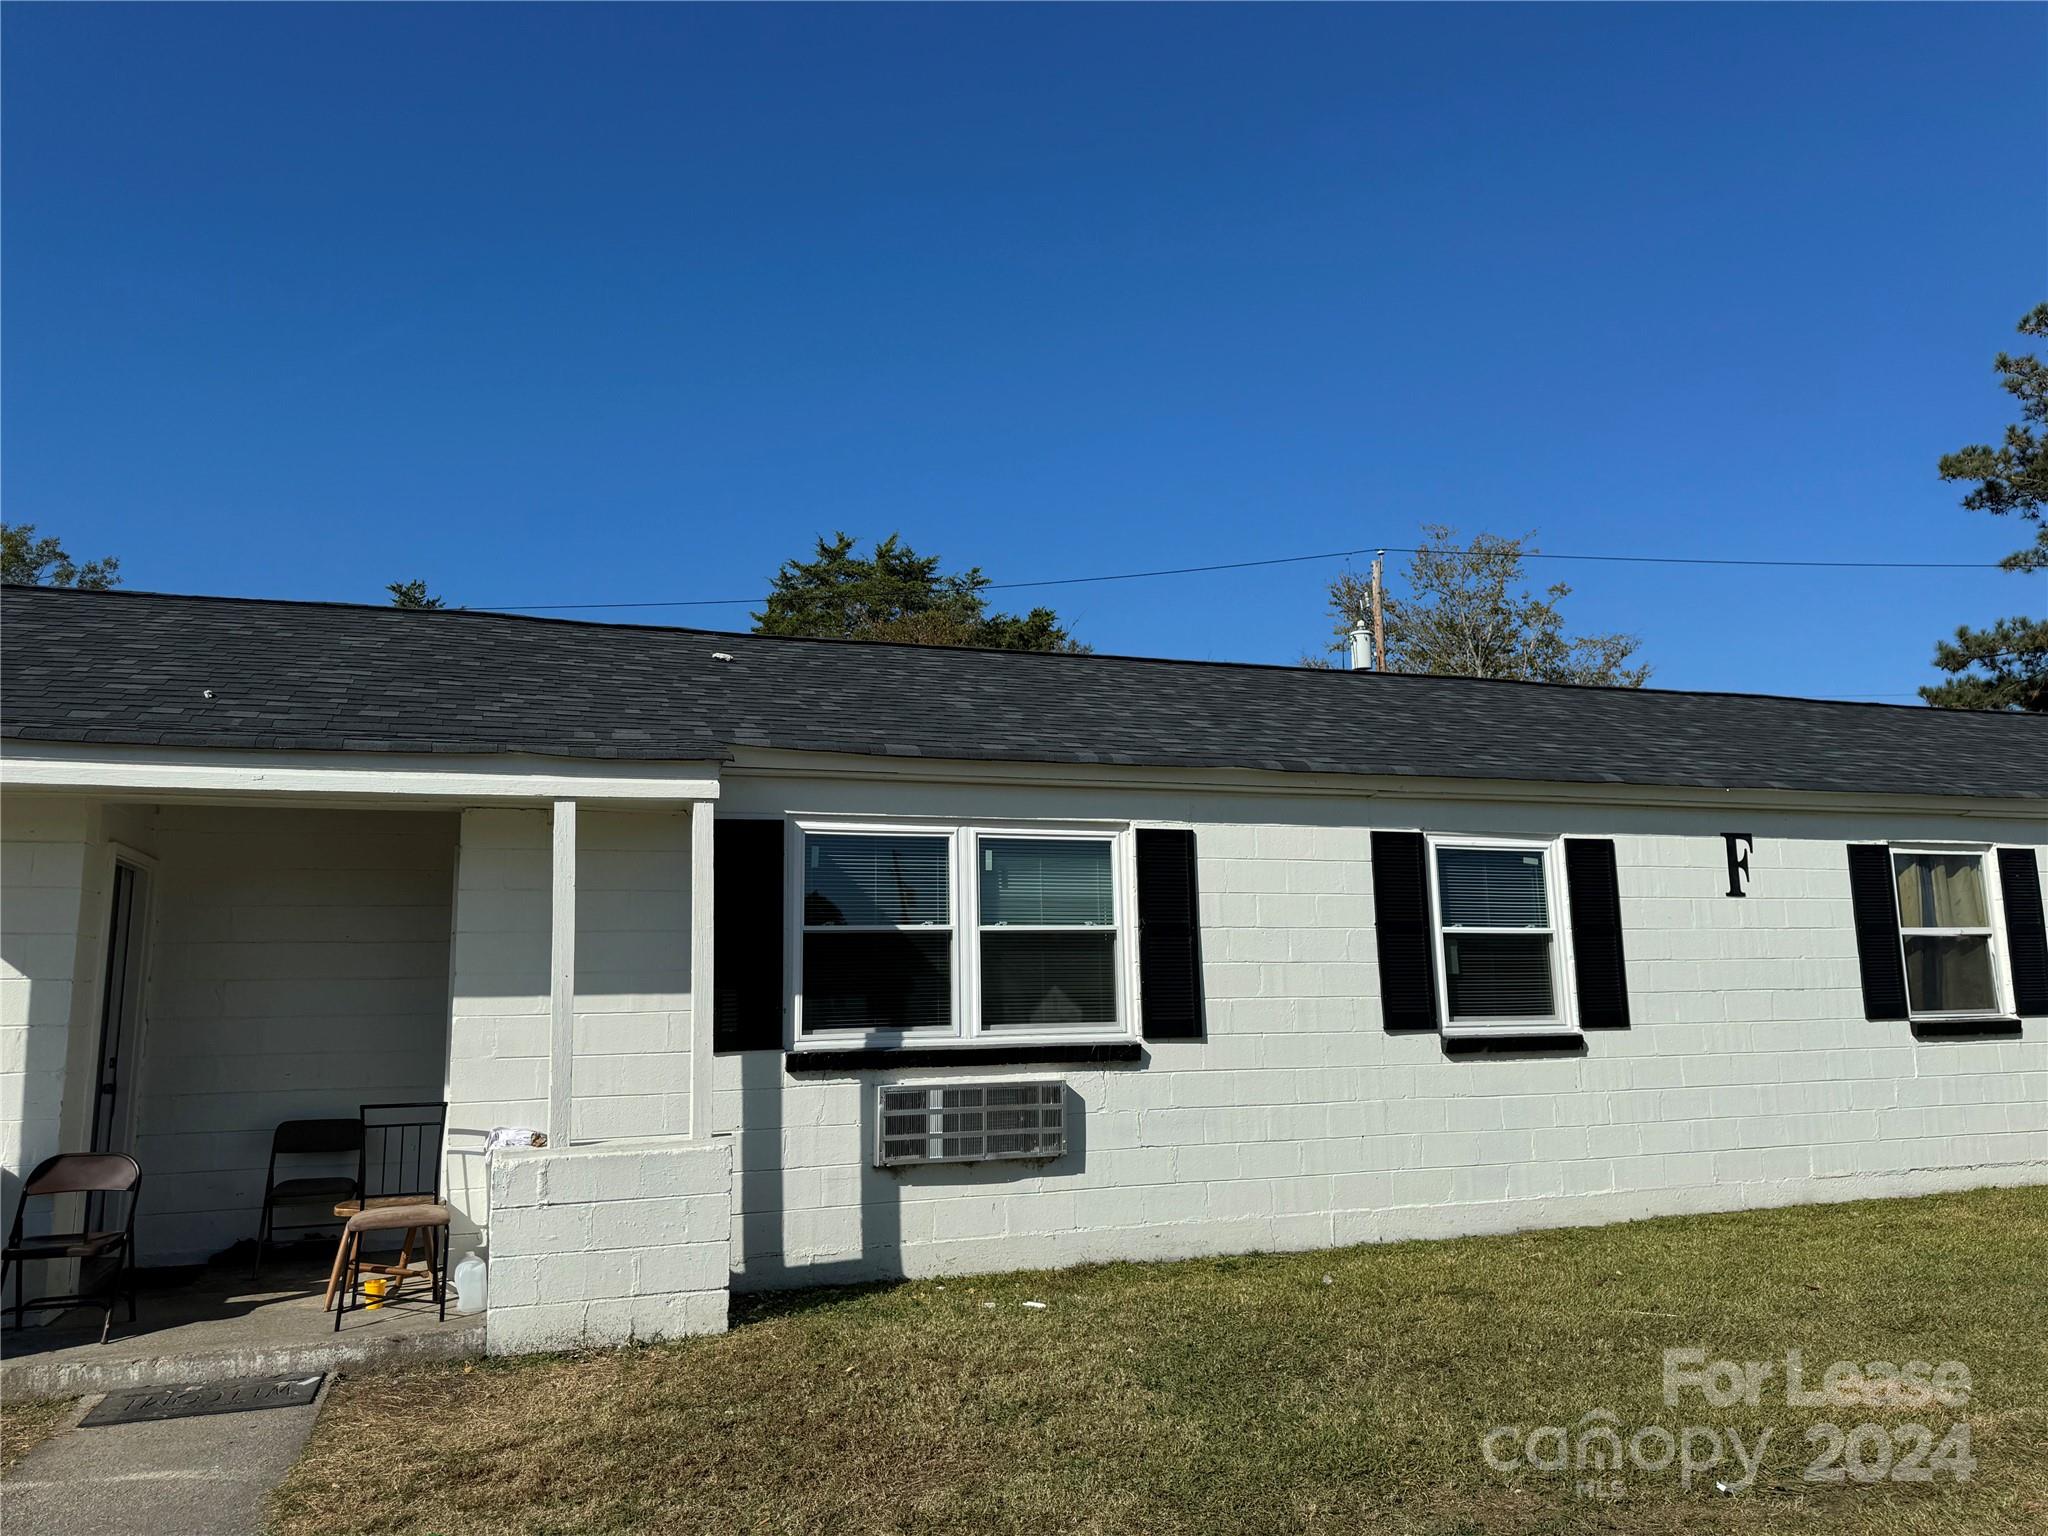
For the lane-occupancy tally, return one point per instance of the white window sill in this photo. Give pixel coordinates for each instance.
(1495, 1029)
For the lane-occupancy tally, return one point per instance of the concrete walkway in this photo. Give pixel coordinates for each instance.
(204, 1476)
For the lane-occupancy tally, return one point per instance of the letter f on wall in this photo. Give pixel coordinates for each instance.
(1739, 846)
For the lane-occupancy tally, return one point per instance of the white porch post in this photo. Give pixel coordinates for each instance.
(562, 972)
(703, 939)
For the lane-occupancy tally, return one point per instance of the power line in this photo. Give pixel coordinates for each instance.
(1335, 554)
(1395, 549)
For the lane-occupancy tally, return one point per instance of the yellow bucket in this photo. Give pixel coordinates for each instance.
(375, 1288)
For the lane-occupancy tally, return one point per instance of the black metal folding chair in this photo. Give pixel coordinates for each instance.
(328, 1139)
(77, 1173)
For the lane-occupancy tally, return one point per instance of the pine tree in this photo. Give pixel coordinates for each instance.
(896, 594)
(2005, 666)
(27, 561)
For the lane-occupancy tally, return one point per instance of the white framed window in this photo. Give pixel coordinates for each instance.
(878, 935)
(1046, 918)
(1948, 932)
(983, 933)
(1503, 947)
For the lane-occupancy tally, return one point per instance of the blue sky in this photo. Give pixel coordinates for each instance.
(608, 304)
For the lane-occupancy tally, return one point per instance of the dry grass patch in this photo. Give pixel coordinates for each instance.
(1248, 1395)
(27, 1424)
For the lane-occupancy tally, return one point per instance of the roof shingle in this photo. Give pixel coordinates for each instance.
(129, 667)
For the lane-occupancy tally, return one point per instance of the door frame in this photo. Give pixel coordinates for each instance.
(120, 1136)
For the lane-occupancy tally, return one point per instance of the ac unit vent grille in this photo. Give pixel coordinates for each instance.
(971, 1123)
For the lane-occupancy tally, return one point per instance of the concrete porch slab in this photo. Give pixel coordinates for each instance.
(217, 1326)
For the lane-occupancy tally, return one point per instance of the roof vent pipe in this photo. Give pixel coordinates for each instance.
(1361, 648)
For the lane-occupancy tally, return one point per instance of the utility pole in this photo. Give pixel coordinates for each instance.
(1379, 625)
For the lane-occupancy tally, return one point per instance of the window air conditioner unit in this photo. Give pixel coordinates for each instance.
(970, 1123)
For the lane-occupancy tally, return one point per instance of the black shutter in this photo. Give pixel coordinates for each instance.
(1402, 928)
(748, 914)
(2026, 934)
(1169, 940)
(1597, 965)
(1874, 900)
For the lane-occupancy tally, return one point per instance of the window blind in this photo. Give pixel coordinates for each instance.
(1033, 979)
(1045, 881)
(1499, 976)
(1491, 888)
(858, 880)
(878, 981)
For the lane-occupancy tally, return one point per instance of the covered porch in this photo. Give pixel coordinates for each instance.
(198, 950)
(213, 1323)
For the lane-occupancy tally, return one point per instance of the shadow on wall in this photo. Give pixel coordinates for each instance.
(468, 1187)
(876, 1255)
(38, 991)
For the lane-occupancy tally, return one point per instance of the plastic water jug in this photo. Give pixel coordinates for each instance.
(469, 1285)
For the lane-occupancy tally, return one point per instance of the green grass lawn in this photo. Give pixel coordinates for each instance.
(1329, 1392)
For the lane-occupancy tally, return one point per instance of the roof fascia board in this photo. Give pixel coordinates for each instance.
(347, 776)
(763, 763)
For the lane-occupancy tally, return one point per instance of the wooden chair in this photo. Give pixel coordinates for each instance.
(306, 1138)
(77, 1173)
(398, 1189)
(424, 1222)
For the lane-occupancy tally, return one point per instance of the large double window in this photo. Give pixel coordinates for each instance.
(965, 932)
(1945, 926)
(1499, 936)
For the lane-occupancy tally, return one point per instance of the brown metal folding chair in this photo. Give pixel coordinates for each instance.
(77, 1173)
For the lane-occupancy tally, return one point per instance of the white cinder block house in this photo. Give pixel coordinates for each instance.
(825, 961)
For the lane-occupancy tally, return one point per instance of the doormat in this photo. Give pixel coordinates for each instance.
(147, 1404)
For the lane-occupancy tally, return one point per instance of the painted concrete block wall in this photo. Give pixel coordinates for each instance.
(610, 1244)
(498, 1025)
(300, 970)
(48, 927)
(1750, 1076)
(631, 1074)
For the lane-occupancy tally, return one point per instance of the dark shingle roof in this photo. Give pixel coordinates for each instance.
(128, 667)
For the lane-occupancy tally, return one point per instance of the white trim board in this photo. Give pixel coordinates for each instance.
(561, 971)
(197, 772)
